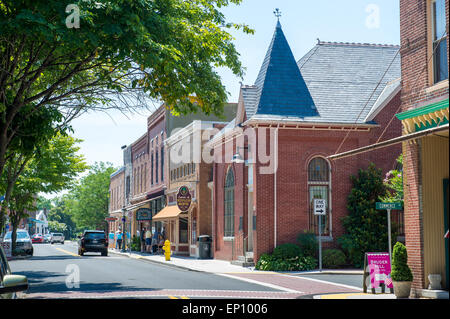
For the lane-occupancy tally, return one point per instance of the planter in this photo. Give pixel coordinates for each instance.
(435, 281)
(402, 289)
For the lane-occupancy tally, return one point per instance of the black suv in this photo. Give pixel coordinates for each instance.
(93, 241)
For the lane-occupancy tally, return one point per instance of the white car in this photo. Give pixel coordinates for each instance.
(23, 242)
(57, 238)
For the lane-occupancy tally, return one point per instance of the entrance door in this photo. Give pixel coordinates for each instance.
(446, 229)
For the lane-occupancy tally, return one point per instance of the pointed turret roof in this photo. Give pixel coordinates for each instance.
(280, 88)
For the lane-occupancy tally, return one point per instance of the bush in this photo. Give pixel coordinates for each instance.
(136, 243)
(308, 243)
(286, 251)
(286, 257)
(333, 258)
(366, 228)
(400, 268)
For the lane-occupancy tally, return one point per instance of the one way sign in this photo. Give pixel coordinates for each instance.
(320, 206)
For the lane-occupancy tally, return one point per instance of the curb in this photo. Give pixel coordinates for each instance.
(154, 261)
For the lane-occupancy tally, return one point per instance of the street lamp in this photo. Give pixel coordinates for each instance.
(237, 158)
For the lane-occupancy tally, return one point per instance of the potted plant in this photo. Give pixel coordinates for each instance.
(401, 273)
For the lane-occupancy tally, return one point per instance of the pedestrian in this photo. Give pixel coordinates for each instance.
(119, 239)
(116, 236)
(155, 240)
(143, 240)
(148, 240)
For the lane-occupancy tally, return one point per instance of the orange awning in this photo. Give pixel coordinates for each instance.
(168, 212)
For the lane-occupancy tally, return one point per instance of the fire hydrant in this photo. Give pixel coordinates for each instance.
(166, 249)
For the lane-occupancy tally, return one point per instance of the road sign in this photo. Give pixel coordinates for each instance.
(320, 206)
(381, 205)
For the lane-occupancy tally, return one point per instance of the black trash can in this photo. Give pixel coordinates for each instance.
(204, 246)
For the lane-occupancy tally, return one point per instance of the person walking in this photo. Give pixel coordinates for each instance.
(148, 240)
(143, 239)
(119, 239)
(155, 241)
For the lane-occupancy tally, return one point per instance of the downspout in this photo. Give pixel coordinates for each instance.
(275, 186)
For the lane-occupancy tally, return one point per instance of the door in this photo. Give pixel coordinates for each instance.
(446, 230)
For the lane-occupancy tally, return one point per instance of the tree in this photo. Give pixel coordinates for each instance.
(366, 228)
(52, 169)
(394, 184)
(61, 215)
(88, 201)
(123, 53)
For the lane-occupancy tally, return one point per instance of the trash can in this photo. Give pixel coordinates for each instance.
(204, 246)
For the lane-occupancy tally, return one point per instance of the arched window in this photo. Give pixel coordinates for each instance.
(319, 188)
(229, 205)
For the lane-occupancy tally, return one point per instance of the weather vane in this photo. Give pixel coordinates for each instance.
(277, 13)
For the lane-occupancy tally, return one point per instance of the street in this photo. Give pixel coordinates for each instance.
(56, 271)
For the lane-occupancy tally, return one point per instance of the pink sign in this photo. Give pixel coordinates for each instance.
(379, 269)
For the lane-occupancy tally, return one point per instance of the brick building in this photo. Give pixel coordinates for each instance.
(424, 113)
(270, 161)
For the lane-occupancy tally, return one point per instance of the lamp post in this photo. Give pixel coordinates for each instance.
(123, 228)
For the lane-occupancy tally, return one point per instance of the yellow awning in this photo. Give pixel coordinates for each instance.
(168, 212)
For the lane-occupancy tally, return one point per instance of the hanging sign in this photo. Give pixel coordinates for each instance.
(377, 268)
(144, 214)
(184, 199)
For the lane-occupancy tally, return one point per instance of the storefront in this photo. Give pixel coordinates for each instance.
(174, 224)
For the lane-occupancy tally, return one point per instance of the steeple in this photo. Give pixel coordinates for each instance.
(281, 88)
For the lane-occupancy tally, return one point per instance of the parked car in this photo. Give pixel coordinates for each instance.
(47, 238)
(57, 238)
(93, 241)
(10, 285)
(23, 242)
(37, 238)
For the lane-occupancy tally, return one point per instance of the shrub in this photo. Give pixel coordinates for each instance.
(366, 228)
(400, 268)
(283, 259)
(333, 258)
(308, 243)
(136, 243)
(288, 250)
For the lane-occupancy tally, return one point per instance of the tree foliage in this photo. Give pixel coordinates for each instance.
(123, 53)
(88, 200)
(366, 228)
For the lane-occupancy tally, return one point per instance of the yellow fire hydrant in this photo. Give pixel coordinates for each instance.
(166, 248)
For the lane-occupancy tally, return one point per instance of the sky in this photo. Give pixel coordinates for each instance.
(303, 22)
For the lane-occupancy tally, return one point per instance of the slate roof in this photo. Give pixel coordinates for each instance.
(281, 89)
(333, 83)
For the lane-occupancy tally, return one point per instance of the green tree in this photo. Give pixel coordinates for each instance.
(366, 228)
(394, 184)
(53, 168)
(88, 201)
(123, 53)
(60, 214)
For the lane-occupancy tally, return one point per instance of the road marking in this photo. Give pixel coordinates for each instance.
(67, 252)
(340, 296)
(326, 282)
(172, 297)
(261, 283)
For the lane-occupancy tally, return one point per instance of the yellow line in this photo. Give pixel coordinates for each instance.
(172, 297)
(184, 297)
(67, 252)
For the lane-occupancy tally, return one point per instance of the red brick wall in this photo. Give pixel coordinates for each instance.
(296, 147)
(415, 79)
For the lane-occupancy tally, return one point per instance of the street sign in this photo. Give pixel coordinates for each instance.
(385, 206)
(320, 206)
(7, 248)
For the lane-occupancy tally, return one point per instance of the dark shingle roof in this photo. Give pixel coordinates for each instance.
(281, 89)
(332, 83)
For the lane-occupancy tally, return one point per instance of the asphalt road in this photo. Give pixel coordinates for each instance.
(57, 271)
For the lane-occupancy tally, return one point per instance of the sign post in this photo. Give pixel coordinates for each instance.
(320, 210)
(388, 207)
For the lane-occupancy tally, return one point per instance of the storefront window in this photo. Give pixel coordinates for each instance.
(439, 41)
(318, 187)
